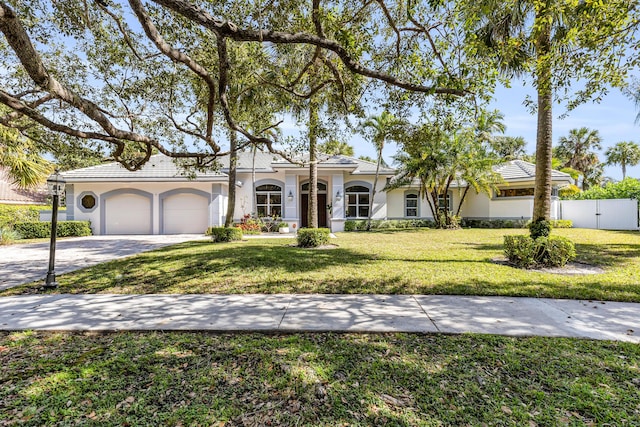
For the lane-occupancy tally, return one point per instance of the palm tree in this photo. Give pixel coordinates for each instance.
(334, 147)
(623, 153)
(21, 162)
(553, 42)
(379, 128)
(436, 159)
(488, 123)
(576, 150)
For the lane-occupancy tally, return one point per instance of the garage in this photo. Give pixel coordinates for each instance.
(128, 213)
(185, 213)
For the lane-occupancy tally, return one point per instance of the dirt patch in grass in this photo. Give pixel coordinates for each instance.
(571, 269)
(329, 246)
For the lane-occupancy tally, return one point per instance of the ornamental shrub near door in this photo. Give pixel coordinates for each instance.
(224, 234)
(312, 237)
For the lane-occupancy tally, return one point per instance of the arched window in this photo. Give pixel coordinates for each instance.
(411, 205)
(357, 201)
(322, 187)
(269, 200)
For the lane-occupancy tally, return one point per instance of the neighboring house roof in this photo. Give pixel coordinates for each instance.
(162, 168)
(514, 171)
(519, 170)
(12, 194)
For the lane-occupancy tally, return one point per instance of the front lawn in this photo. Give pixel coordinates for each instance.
(404, 262)
(315, 379)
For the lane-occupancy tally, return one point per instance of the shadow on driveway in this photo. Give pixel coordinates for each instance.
(20, 264)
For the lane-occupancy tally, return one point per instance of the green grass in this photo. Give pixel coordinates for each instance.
(407, 262)
(315, 379)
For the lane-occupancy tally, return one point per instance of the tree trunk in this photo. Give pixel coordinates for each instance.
(254, 208)
(373, 191)
(233, 167)
(313, 166)
(624, 169)
(466, 190)
(542, 192)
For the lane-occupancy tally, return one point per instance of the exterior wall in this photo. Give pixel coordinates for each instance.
(475, 206)
(291, 181)
(99, 190)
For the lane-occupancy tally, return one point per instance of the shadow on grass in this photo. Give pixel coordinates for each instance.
(155, 271)
(613, 254)
(316, 379)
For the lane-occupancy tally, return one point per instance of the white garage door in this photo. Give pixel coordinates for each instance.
(185, 213)
(128, 214)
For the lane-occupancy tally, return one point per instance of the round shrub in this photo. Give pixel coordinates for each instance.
(313, 237)
(223, 234)
(525, 252)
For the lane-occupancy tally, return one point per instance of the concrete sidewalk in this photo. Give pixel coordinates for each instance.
(352, 313)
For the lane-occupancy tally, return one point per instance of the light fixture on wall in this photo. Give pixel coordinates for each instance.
(239, 183)
(338, 196)
(290, 196)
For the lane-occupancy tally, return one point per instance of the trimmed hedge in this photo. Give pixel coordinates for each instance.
(313, 237)
(552, 251)
(10, 214)
(494, 223)
(377, 224)
(224, 234)
(42, 229)
(386, 224)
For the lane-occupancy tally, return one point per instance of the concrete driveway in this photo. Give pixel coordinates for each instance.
(26, 263)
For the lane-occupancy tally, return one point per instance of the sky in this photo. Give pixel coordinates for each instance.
(614, 118)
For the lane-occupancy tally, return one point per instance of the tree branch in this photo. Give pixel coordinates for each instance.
(230, 30)
(154, 35)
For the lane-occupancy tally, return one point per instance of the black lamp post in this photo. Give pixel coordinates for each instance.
(55, 185)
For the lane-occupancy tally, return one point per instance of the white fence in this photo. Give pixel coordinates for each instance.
(605, 214)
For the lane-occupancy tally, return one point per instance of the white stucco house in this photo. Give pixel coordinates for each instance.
(160, 199)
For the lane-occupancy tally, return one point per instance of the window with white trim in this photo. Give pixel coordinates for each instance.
(445, 201)
(357, 201)
(269, 200)
(411, 205)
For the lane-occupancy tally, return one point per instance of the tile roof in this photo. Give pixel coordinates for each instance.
(159, 167)
(12, 194)
(519, 170)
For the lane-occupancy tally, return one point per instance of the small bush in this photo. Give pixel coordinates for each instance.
(42, 229)
(520, 251)
(312, 237)
(562, 223)
(540, 228)
(8, 236)
(10, 214)
(525, 252)
(554, 251)
(223, 234)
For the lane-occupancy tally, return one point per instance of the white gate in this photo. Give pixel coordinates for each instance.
(605, 214)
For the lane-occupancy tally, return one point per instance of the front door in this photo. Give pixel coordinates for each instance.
(322, 210)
